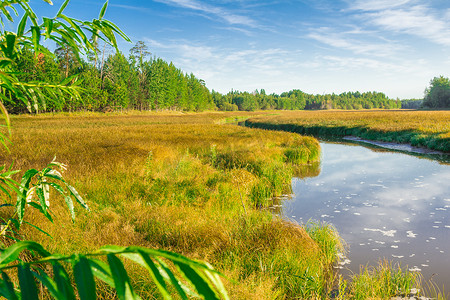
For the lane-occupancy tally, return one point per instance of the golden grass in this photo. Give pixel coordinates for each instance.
(422, 128)
(181, 182)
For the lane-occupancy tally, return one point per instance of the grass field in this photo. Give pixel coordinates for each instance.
(430, 129)
(187, 183)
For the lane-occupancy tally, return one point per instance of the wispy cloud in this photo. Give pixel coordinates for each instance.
(355, 40)
(130, 7)
(216, 11)
(372, 5)
(411, 17)
(246, 66)
(418, 20)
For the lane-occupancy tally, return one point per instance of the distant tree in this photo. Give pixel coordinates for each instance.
(411, 103)
(67, 59)
(138, 56)
(437, 95)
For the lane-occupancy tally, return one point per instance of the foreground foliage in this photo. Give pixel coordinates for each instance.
(88, 267)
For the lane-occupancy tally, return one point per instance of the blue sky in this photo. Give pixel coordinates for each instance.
(318, 46)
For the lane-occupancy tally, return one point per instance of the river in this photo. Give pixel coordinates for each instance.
(383, 204)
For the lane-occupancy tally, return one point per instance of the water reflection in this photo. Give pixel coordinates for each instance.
(383, 204)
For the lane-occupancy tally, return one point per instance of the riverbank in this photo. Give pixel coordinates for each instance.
(428, 129)
(184, 183)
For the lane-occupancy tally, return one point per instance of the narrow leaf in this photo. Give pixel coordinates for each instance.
(12, 252)
(121, 279)
(8, 288)
(102, 271)
(102, 12)
(22, 24)
(48, 282)
(77, 196)
(202, 286)
(26, 283)
(21, 197)
(63, 6)
(38, 228)
(84, 278)
(156, 275)
(36, 36)
(63, 282)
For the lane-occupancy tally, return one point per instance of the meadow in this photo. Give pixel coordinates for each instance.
(429, 129)
(192, 184)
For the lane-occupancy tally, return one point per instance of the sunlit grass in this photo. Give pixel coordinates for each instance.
(186, 183)
(429, 129)
(183, 183)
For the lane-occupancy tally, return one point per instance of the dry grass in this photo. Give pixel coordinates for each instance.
(180, 182)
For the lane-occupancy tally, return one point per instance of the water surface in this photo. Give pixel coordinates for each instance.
(384, 205)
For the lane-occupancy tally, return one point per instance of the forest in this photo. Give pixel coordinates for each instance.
(112, 81)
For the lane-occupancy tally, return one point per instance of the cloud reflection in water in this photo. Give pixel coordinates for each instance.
(383, 204)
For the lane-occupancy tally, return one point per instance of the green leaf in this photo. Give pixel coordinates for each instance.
(8, 288)
(26, 283)
(48, 24)
(49, 283)
(22, 24)
(194, 276)
(54, 175)
(42, 199)
(102, 12)
(69, 204)
(38, 228)
(49, 2)
(102, 271)
(77, 196)
(121, 279)
(181, 289)
(11, 253)
(10, 45)
(39, 208)
(63, 282)
(22, 196)
(63, 6)
(84, 278)
(36, 36)
(156, 275)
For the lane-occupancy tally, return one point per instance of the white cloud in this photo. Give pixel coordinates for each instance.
(418, 20)
(355, 40)
(224, 14)
(372, 5)
(412, 17)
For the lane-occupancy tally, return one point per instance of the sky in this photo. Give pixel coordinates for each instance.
(318, 46)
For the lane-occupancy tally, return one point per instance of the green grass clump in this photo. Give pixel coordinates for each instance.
(384, 281)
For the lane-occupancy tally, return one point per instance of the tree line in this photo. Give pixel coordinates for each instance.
(111, 82)
(298, 100)
(115, 81)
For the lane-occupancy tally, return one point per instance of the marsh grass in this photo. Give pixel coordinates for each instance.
(429, 129)
(180, 182)
(384, 281)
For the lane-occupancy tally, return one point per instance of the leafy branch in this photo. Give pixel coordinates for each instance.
(168, 271)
